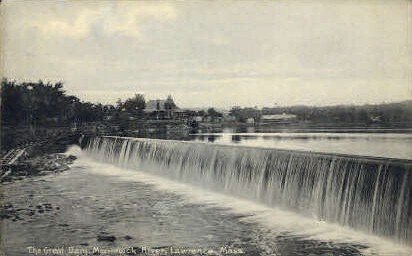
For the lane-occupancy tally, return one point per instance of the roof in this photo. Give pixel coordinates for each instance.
(157, 105)
(152, 105)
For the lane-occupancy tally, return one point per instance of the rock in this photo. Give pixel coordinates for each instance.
(35, 166)
(47, 206)
(5, 175)
(16, 218)
(7, 206)
(4, 216)
(71, 158)
(108, 238)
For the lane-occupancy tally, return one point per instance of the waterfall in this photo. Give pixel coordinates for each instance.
(368, 194)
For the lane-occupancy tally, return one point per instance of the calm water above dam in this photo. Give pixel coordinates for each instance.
(391, 145)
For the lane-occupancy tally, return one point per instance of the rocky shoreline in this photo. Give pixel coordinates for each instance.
(35, 166)
(40, 159)
(9, 211)
(41, 165)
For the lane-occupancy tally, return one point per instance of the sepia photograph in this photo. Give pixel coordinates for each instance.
(206, 127)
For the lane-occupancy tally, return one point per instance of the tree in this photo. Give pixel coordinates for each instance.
(119, 104)
(242, 114)
(169, 103)
(135, 105)
(213, 114)
(33, 104)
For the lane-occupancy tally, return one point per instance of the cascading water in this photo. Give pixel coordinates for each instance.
(369, 194)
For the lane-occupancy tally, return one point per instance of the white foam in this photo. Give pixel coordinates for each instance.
(270, 219)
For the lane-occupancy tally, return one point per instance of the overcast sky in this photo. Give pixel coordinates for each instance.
(214, 53)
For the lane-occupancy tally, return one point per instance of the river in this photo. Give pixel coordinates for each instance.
(142, 208)
(390, 145)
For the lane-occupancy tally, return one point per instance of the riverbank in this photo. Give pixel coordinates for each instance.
(27, 155)
(35, 166)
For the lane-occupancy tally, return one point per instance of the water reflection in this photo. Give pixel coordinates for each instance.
(236, 138)
(391, 145)
(211, 138)
(362, 142)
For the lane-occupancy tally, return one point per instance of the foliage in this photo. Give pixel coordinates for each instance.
(44, 104)
(214, 115)
(382, 113)
(33, 104)
(212, 112)
(135, 105)
(169, 103)
(242, 114)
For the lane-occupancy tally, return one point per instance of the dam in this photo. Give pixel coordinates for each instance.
(372, 195)
(254, 194)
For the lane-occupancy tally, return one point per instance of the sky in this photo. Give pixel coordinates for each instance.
(214, 53)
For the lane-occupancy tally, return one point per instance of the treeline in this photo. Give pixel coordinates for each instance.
(243, 114)
(33, 104)
(366, 114)
(380, 113)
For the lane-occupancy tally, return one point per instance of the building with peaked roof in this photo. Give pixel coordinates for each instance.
(157, 109)
(161, 109)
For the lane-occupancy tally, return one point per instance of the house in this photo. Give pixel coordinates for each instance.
(157, 109)
(180, 114)
(160, 109)
(278, 118)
